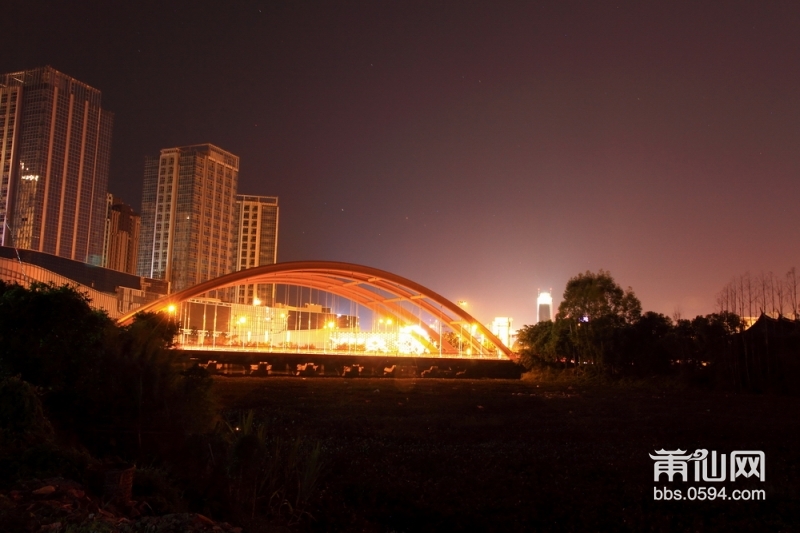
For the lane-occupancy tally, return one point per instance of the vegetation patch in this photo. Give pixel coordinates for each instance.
(520, 455)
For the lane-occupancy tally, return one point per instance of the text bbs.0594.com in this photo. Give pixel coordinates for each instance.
(676, 466)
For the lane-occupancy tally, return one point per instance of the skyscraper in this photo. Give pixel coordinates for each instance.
(54, 156)
(544, 304)
(188, 205)
(256, 243)
(121, 242)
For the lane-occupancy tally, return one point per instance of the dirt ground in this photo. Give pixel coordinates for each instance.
(507, 455)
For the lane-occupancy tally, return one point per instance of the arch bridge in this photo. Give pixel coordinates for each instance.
(437, 326)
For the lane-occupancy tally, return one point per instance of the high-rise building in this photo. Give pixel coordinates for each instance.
(256, 243)
(121, 242)
(544, 307)
(54, 157)
(501, 328)
(188, 207)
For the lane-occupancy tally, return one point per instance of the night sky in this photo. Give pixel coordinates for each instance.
(483, 149)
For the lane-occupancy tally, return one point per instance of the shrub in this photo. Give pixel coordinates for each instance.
(21, 414)
(107, 385)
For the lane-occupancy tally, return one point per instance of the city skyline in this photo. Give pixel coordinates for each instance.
(481, 150)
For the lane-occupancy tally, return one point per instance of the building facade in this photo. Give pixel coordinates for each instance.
(256, 244)
(544, 307)
(121, 242)
(55, 145)
(501, 327)
(115, 292)
(188, 215)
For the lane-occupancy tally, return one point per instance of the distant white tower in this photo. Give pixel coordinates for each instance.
(544, 307)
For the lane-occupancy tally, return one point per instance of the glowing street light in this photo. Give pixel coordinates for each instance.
(171, 309)
(329, 326)
(242, 320)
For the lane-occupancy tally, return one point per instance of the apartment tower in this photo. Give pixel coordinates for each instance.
(256, 244)
(121, 242)
(55, 144)
(188, 215)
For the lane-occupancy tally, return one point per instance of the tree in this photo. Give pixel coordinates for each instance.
(95, 374)
(595, 308)
(534, 343)
(50, 335)
(545, 342)
(591, 296)
(648, 344)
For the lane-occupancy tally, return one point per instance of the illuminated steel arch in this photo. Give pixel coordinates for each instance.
(351, 281)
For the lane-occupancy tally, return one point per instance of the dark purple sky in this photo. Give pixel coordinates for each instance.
(483, 149)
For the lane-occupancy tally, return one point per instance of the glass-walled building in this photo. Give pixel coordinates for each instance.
(55, 146)
(256, 244)
(121, 243)
(188, 215)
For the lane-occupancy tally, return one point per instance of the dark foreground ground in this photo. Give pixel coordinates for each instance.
(504, 455)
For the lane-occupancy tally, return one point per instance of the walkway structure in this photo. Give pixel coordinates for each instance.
(381, 292)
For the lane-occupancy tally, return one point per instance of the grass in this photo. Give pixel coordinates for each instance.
(498, 455)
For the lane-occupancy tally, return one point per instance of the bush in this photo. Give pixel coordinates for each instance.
(27, 449)
(42, 460)
(21, 414)
(104, 384)
(287, 473)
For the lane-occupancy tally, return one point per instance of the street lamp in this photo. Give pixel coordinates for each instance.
(171, 309)
(285, 325)
(328, 326)
(242, 320)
